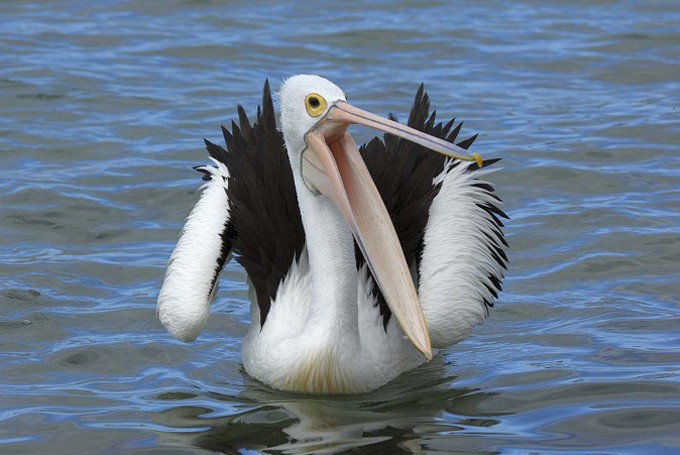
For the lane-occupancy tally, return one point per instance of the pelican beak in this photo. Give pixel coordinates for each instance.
(331, 165)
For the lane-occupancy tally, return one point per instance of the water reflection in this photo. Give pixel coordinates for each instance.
(390, 420)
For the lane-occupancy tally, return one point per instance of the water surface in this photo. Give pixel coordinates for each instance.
(103, 107)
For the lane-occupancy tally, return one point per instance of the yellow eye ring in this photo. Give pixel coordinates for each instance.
(315, 104)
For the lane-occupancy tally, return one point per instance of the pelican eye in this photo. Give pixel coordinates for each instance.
(315, 104)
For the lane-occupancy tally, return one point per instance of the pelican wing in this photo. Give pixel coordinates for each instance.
(204, 246)
(249, 208)
(447, 221)
(269, 234)
(463, 256)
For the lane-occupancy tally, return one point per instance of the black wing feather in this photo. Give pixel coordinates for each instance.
(403, 173)
(266, 231)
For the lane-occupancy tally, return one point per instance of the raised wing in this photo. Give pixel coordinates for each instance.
(264, 208)
(463, 256)
(249, 208)
(204, 246)
(429, 198)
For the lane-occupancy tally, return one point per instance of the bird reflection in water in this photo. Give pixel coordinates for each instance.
(397, 418)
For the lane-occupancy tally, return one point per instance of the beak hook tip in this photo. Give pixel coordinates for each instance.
(478, 160)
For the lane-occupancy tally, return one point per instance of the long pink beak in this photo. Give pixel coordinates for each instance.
(331, 165)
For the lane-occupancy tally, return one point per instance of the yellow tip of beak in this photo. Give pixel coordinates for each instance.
(478, 160)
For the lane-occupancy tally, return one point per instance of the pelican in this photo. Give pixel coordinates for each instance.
(361, 264)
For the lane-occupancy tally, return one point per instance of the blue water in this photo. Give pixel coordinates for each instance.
(103, 107)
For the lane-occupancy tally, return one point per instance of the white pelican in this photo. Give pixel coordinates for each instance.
(360, 263)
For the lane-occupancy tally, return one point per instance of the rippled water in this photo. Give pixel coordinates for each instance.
(103, 107)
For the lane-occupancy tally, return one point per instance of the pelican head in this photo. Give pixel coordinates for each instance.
(304, 100)
(315, 116)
